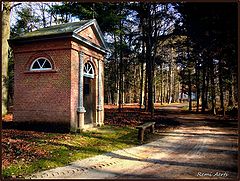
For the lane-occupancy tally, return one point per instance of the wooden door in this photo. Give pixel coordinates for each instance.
(88, 100)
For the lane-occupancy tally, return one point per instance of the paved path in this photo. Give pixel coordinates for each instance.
(199, 148)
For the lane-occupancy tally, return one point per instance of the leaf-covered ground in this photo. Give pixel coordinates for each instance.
(25, 152)
(23, 146)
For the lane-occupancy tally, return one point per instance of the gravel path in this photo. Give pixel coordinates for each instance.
(197, 149)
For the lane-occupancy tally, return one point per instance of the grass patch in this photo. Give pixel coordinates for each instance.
(62, 149)
(185, 108)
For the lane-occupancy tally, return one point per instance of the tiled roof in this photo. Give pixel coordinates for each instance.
(56, 29)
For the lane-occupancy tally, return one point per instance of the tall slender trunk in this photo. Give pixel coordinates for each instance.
(5, 36)
(116, 92)
(142, 90)
(123, 89)
(141, 98)
(150, 70)
(170, 83)
(167, 87)
(233, 88)
(174, 86)
(145, 90)
(221, 86)
(161, 67)
(141, 86)
(189, 77)
(198, 87)
(213, 95)
(231, 100)
(154, 92)
(179, 87)
(43, 15)
(120, 72)
(206, 90)
(182, 94)
(189, 90)
(135, 85)
(164, 92)
(203, 89)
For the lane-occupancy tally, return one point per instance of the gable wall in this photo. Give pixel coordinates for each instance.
(89, 34)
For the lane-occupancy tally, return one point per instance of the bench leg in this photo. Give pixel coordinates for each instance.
(140, 135)
(152, 129)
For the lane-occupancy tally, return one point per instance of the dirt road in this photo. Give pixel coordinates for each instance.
(199, 148)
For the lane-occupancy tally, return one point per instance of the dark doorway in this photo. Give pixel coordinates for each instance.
(88, 100)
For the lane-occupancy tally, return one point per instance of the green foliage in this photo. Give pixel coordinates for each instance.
(26, 20)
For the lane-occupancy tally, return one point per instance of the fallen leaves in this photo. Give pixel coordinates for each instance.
(7, 118)
(28, 146)
(18, 146)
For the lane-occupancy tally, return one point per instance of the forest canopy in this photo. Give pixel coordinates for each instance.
(161, 52)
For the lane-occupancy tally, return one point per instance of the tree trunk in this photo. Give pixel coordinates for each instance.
(221, 86)
(5, 47)
(145, 90)
(231, 101)
(203, 90)
(123, 89)
(233, 89)
(206, 91)
(135, 85)
(116, 98)
(142, 86)
(179, 87)
(181, 100)
(120, 101)
(198, 87)
(150, 70)
(150, 83)
(170, 83)
(213, 90)
(174, 87)
(189, 78)
(189, 90)
(43, 15)
(154, 92)
(164, 91)
(161, 67)
(167, 88)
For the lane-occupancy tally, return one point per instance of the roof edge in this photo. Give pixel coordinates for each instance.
(87, 42)
(59, 36)
(99, 32)
(12, 41)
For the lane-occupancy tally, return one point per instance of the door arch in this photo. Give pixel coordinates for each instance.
(89, 95)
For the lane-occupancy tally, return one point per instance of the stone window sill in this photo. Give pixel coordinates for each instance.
(40, 71)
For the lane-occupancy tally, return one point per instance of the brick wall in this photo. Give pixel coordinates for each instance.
(74, 80)
(51, 96)
(42, 96)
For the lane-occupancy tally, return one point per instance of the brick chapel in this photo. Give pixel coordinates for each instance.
(59, 75)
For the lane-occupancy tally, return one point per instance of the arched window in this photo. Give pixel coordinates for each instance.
(41, 64)
(88, 70)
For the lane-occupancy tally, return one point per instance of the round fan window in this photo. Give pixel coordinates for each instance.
(41, 64)
(88, 70)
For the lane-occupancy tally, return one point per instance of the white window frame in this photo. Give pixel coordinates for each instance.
(87, 69)
(41, 67)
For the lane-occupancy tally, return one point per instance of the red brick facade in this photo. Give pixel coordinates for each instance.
(52, 95)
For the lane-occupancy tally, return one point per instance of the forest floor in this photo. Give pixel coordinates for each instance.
(185, 145)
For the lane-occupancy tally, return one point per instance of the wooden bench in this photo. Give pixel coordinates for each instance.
(142, 128)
